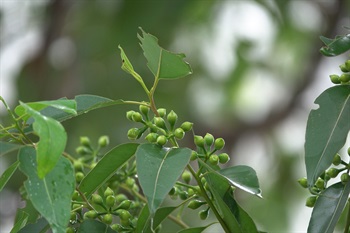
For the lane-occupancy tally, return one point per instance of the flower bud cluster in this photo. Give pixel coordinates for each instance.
(344, 78)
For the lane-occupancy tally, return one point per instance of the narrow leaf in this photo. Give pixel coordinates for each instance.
(158, 169)
(41, 226)
(328, 208)
(162, 63)
(89, 226)
(335, 47)
(326, 131)
(8, 174)
(20, 222)
(52, 141)
(51, 196)
(6, 147)
(195, 229)
(106, 167)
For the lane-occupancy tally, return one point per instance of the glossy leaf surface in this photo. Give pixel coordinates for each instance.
(89, 226)
(20, 221)
(106, 167)
(326, 131)
(158, 169)
(41, 226)
(52, 141)
(8, 174)
(162, 63)
(195, 229)
(328, 208)
(335, 46)
(51, 196)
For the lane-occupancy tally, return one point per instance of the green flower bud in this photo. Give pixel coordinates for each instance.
(303, 182)
(129, 114)
(107, 218)
(78, 165)
(214, 159)
(110, 201)
(152, 137)
(130, 182)
(162, 140)
(336, 160)
(190, 192)
(172, 118)
(203, 214)
(161, 112)
(310, 201)
(73, 216)
(224, 158)
(116, 227)
(349, 151)
(108, 192)
(332, 172)
(194, 155)
(125, 205)
(343, 68)
(133, 133)
(183, 195)
(103, 141)
(144, 109)
(209, 139)
(199, 141)
(82, 150)
(75, 195)
(137, 117)
(70, 230)
(90, 214)
(158, 121)
(186, 176)
(79, 176)
(320, 184)
(344, 178)
(344, 78)
(121, 197)
(172, 191)
(195, 204)
(186, 126)
(85, 141)
(97, 199)
(124, 214)
(334, 78)
(219, 143)
(347, 65)
(179, 133)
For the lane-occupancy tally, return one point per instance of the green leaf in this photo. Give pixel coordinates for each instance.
(89, 226)
(158, 169)
(52, 141)
(127, 66)
(51, 196)
(41, 226)
(326, 131)
(235, 218)
(195, 229)
(162, 63)
(328, 208)
(106, 167)
(8, 174)
(6, 147)
(335, 47)
(243, 177)
(20, 222)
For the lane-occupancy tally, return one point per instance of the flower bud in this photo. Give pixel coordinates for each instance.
(343, 68)
(124, 214)
(129, 114)
(82, 150)
(310, 201)
(137, 117)
(179, 133)
(121, 197)
(344, 178)
(186, 176)
(199, 141)
(90, 214)
(78, 165)
(333, 172)
(79, 176)
(194, 155)
(186, 126)
(303, 182)
(110, 201)
(344, 78)
(144, 109)
(108, 192)
(195, 204)
(103, 141)
(334, 78)
(96, 199)
(219, 143)
(209, 139)
(130, 182)
(214, 159)
(162, 140)
(158, 121)
(172, 118)
(336, 160)
(224, 158)
(347, 65)
(107, 218)
(85, 141)
(203, 214)
(320, 183)
(152, 137)
(161, 112)
(133, 133)
(125, 205)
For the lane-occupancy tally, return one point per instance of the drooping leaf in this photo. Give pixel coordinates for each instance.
(328, 208)
(8, 174)
(41, 226)
(158, 169)
(326, 131)
(52, 141)
(20, 221)
(6, 147)
(162, 63)
(127, 66)
(195, 229)
(51, 196)
(234, 217)
(89, 226)
(64, 104)
(106, 167)
(336, 46)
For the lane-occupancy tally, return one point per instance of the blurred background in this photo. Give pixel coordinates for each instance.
(257, 70)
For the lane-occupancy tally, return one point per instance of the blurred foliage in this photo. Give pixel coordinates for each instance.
(78, 54)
